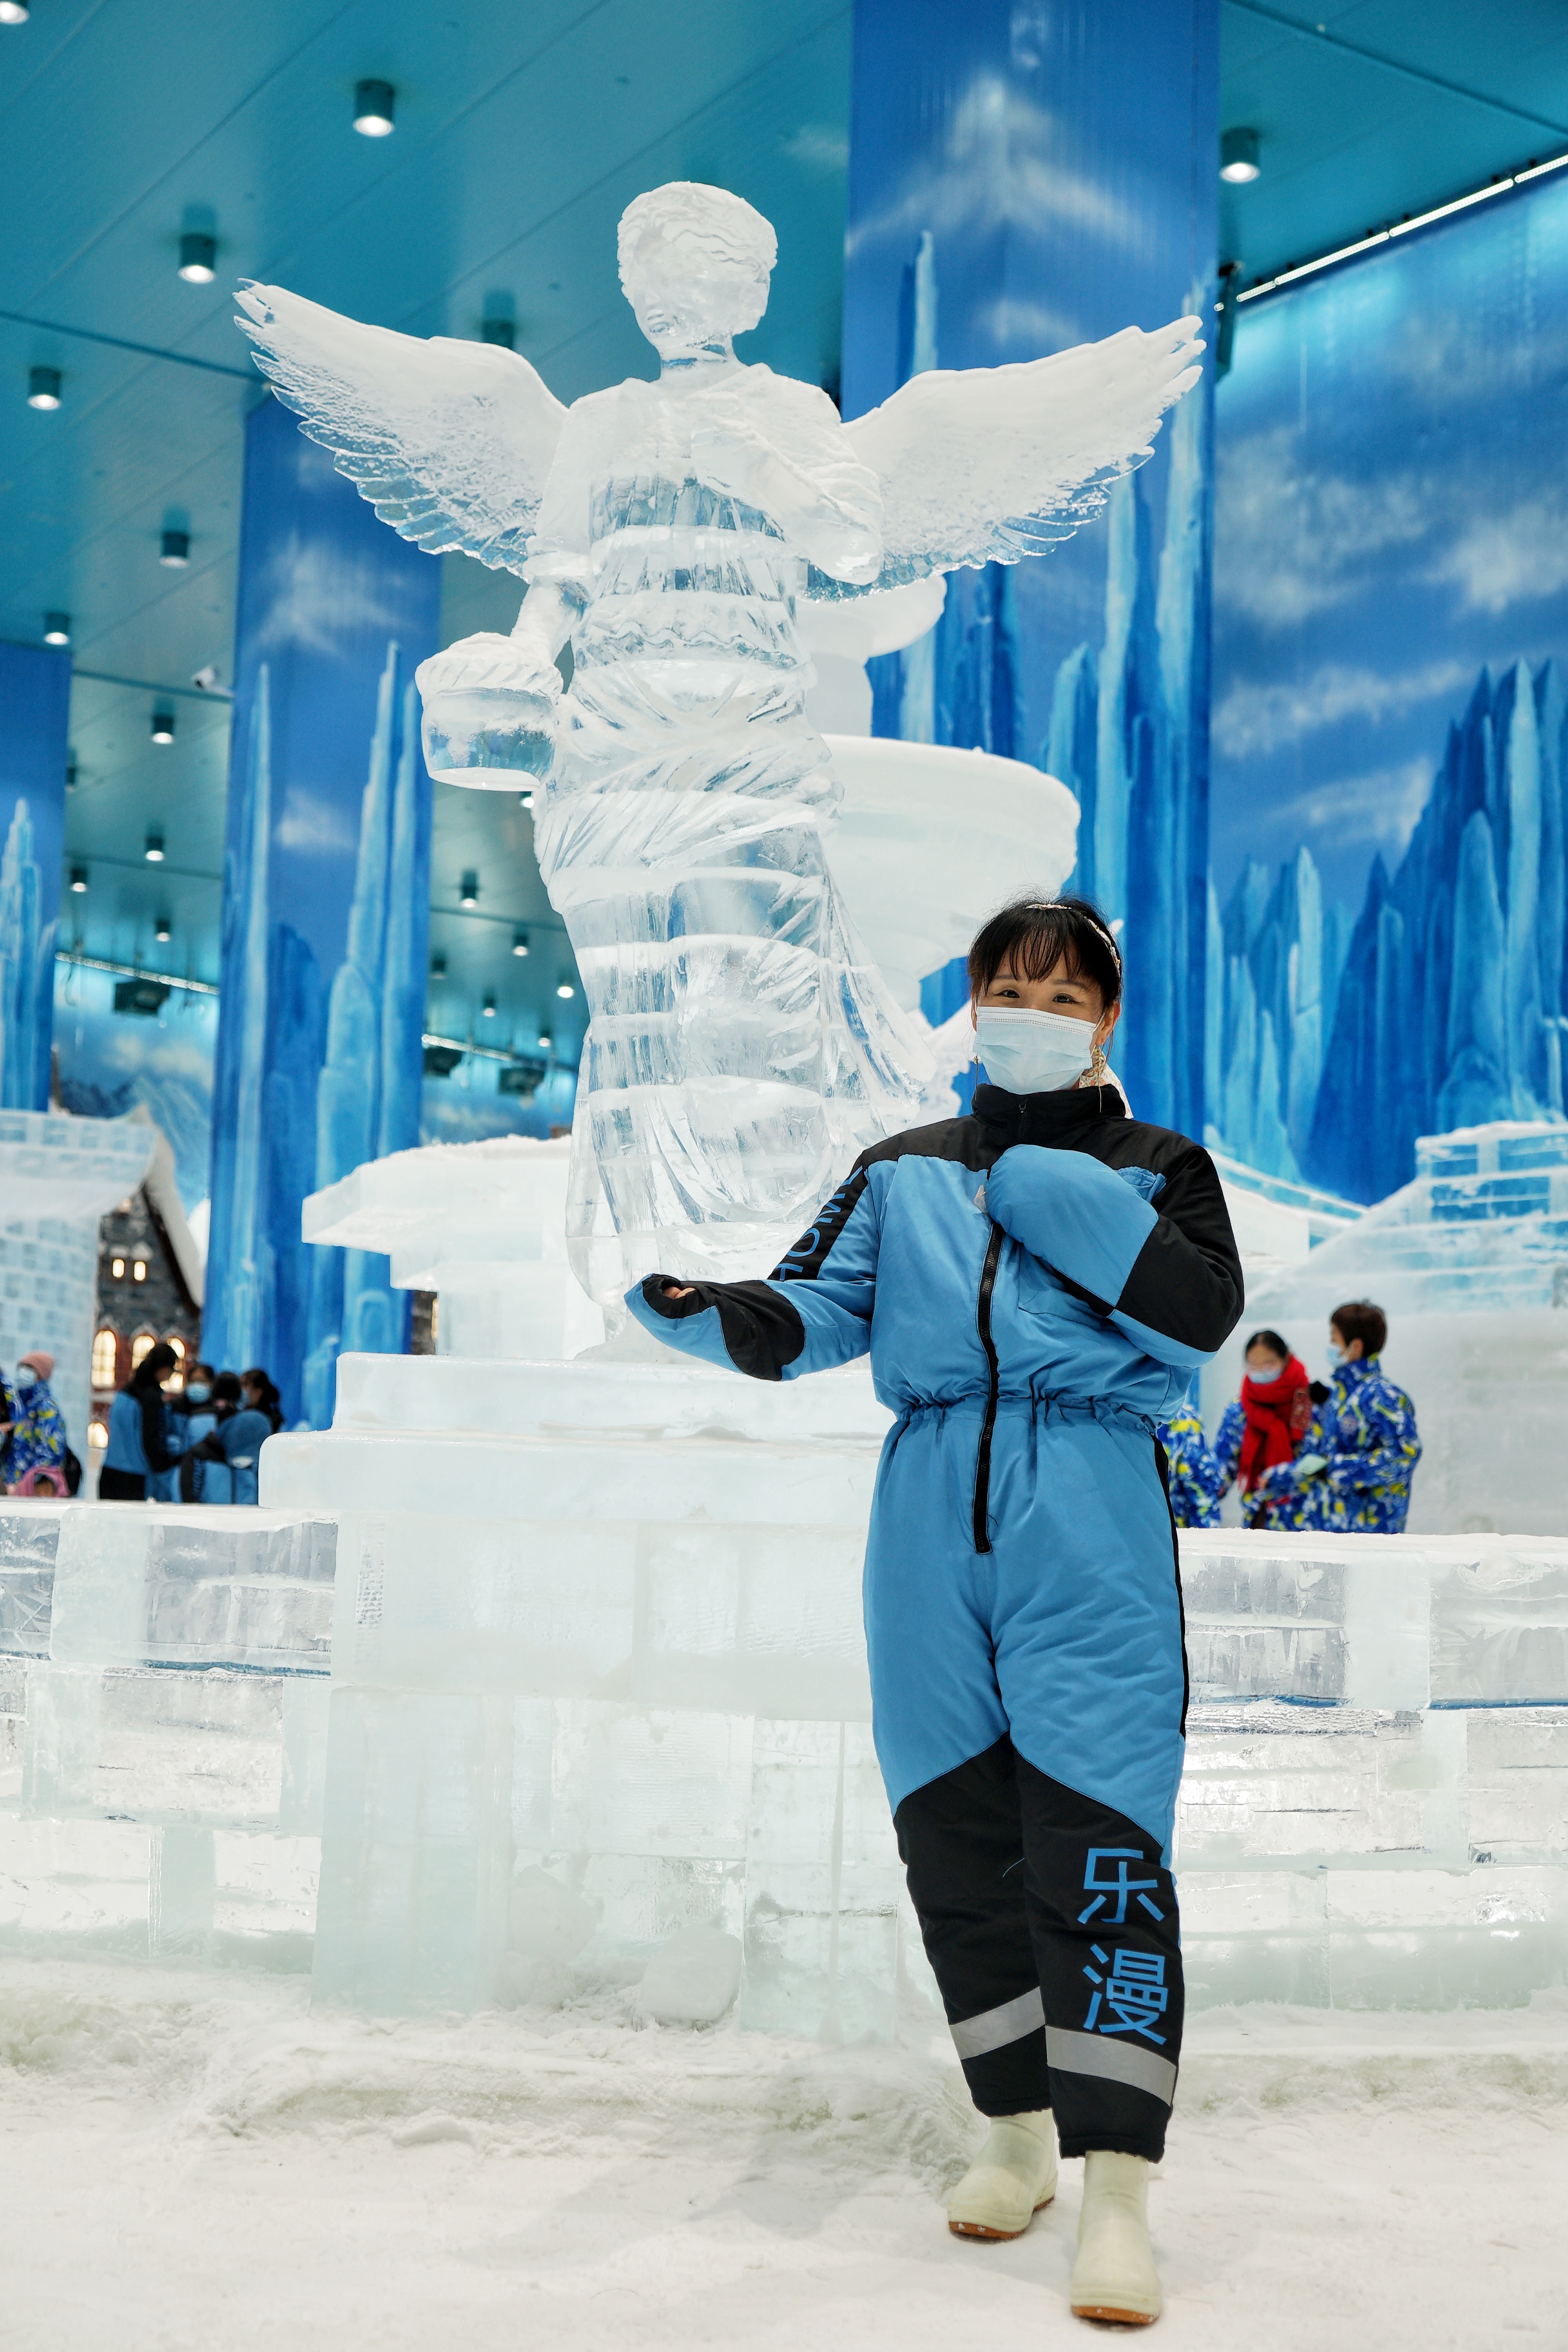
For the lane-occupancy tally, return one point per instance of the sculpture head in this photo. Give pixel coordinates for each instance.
(695, 263)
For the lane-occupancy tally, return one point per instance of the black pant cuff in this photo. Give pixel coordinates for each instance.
(1116, 2143)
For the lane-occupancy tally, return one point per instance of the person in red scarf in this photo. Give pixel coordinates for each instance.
(1264, 1425)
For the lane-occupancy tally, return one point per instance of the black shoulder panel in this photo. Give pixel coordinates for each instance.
(945, 1139)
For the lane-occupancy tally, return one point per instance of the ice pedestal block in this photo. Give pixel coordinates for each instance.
(481, 1224)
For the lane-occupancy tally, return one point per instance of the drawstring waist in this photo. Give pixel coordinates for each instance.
(1041, 1404)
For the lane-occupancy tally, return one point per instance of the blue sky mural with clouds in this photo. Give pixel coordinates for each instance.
(1391, 591)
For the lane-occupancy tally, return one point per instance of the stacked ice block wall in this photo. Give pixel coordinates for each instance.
(599, 1678)
(57, 1177)
(164, 1684)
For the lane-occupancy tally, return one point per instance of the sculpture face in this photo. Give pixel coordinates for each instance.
(695, 265)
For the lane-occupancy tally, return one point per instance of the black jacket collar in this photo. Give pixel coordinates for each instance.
(1049, 1118)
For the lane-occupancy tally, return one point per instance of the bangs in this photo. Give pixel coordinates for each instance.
(1037, 935)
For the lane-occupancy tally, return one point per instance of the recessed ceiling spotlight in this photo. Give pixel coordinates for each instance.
(56, 628)
(544, 1039)
(163, 726)
(70, 773)
(374, 103)
(154, 852)
(519, 943)
(1238, 157)
(468, 889)
(563, 988)
(199, 258)
(13, 12)
(79, 878)
(527, 799)
(488, 1008)
(42, 387)
(438, 967)
(175, 551)
(162, 928)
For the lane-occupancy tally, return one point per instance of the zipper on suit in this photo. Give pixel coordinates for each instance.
(983, 1465)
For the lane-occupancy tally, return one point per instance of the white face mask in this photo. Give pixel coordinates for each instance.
(1030, 1053)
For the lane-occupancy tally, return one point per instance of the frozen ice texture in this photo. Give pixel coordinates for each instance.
(743, 1046)
(692, 1980)
(238, 1588)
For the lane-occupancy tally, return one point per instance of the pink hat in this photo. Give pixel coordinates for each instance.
(43, 1363)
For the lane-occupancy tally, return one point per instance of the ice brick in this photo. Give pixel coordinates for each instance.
(242, 1587)
(1255, 1935)
(1270, 1782)
(1518, 1777)
(1418, 1939)
(80, 1884)
(149, 1744)
(1499, 1625)
(823, 1884)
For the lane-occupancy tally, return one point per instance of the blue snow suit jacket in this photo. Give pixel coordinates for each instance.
(1036, 1283)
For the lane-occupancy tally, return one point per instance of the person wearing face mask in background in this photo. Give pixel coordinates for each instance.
(1354, 1468)
(1265, 1428)
(1036, 1283)
(197, 1412)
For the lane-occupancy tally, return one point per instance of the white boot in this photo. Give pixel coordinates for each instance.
(1012, 2176)
(1114, 2276)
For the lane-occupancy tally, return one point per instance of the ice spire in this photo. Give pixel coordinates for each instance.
(238, 1246)
(1523, 969)
(26, 973)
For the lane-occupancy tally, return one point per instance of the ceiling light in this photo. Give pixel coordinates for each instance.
(199, 258)
(79, 878)
(175, 552)
(563, 988)
(154, 852)
(519, 943)
(162, 928)
(544, 1039)
(499, 330)
(13, 12)
(70, 773)
(488, 1008)
(1238, 157)
(374, 102)
(438, 967)
(42, 387)
(527, 799)
(468, 893)
(56, 628)
(163, 726)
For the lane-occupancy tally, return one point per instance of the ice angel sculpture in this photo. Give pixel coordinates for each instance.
(742, 1047)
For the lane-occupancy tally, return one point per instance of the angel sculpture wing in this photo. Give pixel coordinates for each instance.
(989, 465)
(449, 441)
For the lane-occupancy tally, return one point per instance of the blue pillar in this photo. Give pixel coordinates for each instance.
(325, 916)
(1022, 178)
(35, 721)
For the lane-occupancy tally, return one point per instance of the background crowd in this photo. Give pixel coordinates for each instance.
(199, 1444)
(1303, 1454)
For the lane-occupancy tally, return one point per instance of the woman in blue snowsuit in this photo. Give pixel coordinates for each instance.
(1036, 1283)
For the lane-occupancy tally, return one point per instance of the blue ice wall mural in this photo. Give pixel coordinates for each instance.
(1025, 178)
(326, 906)
(35, 715)
(110, 1062)
(1391, 630)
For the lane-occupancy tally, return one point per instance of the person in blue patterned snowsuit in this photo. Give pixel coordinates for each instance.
(1353, 1473)
(1036, 1283)
(1193, 1477)
(34, 1458)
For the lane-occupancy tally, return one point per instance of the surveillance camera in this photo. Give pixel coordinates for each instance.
(206, 678)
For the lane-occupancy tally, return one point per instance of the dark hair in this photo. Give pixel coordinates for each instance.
(1360, 1319)
(226, 1388)
(1272, 1342)
(1040, 933)
(155, 1366)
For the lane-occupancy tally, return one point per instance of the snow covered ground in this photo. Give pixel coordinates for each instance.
(194, 2161)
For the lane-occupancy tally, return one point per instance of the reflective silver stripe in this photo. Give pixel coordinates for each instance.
(975, 2037)
(1118, 2060)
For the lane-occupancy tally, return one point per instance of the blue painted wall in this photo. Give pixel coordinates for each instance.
(326, 906)
(1391, 680)
(35, 716)
(1023, 178)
